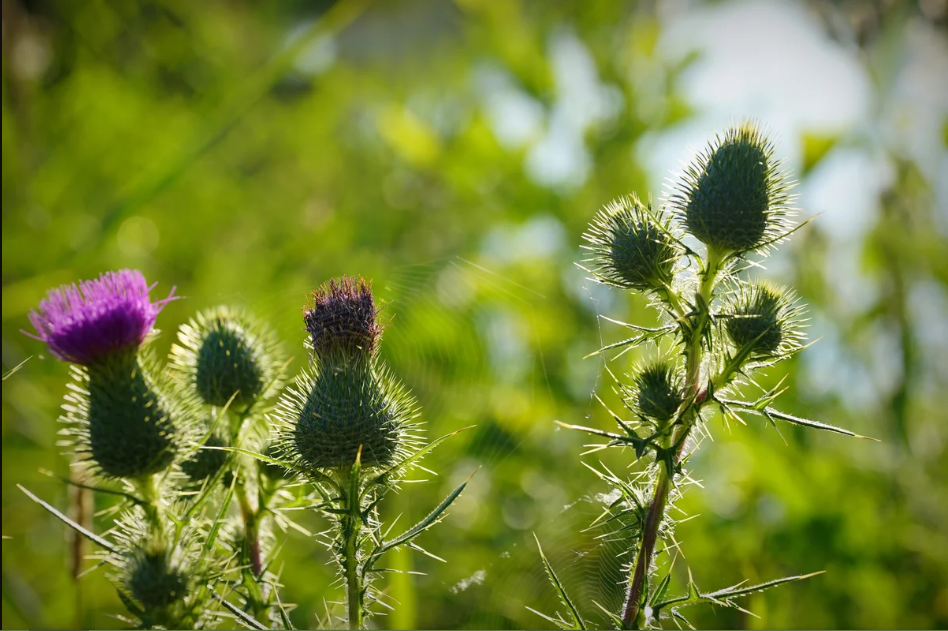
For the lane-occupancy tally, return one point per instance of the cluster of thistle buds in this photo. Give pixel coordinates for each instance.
(719, 325)
(204, 457)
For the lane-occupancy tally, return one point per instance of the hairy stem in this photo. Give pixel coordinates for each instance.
(351, 524)
(664, 479)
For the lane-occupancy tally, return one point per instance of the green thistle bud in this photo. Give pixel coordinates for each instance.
(656, 391)
(223, 351)
(348, 407)
(205, 463)
(122, 421)
(350, 400)
(733, 197)
(153, 580)
(763, 320)
(631, 248)
(272, 472)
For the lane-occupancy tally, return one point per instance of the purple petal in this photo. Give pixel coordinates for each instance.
(113, 312)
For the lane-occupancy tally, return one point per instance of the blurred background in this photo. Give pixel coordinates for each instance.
(453, 152)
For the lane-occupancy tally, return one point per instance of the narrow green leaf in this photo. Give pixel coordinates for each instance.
(86, 533)
(243, 617)
(560, 590)
(796, 420)
(284, 615)
(422, 525)
(771, 414)
(13, 370)
(557, 621)
(88, 487)
(722, 596)
(221, 514)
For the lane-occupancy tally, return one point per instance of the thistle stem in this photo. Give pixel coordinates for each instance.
(351, 524)
(664, 480)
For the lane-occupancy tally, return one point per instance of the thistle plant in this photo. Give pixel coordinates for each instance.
(232, 364)
(160, 439)
(350, 428)
(125, 421)
(719, 327)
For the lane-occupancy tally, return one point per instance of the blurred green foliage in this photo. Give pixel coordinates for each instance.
(246, 151)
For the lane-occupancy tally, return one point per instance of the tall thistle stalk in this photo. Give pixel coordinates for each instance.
(350, 428)
(722, 327)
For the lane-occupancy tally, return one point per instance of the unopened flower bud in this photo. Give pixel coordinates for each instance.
(733, 197)
(351, 401)
(763, 319)
(153, 580)
(656, 391)
(630, 247)
(222, 351)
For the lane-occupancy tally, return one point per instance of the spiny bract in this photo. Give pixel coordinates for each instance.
(733, 197)
(763, 319)
(656, 391)
(122, 420)
(631, 247)
(223, 351)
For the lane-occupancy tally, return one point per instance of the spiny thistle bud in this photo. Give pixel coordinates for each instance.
(733, 197)
(342, 319)
(204, 463)
(223, 351)
(153, 579)
(351, 401)
(656, 391)
(631, 247)
(125, 424)
(764, 320)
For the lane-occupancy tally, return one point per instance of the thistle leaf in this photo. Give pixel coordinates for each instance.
(423, 525)
(722, 597)
(86, 533)
(577, 620)
(240, 615)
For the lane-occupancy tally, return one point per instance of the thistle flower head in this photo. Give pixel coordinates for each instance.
(153, 580)
(349, 401)
(764, 320)
(656, 391)
(733, 197)
(98, 318)
(631, 248)
(205, 463)
(121, 417)
(342, 319)
(223, 351)
(330, 415)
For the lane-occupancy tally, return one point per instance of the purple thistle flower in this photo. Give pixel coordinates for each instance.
(85, 323)
(343, 318)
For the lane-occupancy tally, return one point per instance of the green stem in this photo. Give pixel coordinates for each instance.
(664, 481)
(150, 488)
(351, 524)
